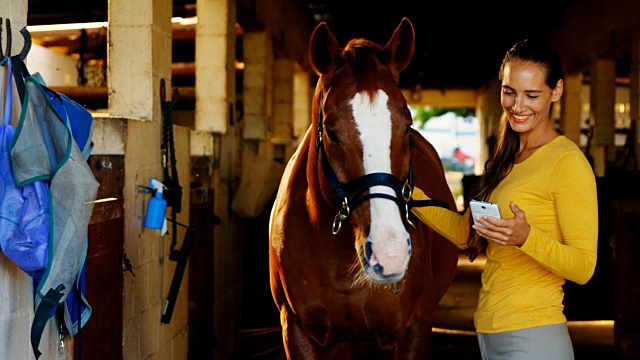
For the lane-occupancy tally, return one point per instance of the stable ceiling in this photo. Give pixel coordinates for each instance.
(459, 44)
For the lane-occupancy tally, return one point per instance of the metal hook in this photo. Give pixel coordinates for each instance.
(9, 37)
(406, 216)
(26, 47)
(1, 51)
(163, 91)
(6, 53)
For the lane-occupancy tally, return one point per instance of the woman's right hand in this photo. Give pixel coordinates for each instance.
(507, 232)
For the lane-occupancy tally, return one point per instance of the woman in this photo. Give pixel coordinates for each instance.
(546, 191)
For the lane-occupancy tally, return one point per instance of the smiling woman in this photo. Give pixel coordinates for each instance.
(548, 232)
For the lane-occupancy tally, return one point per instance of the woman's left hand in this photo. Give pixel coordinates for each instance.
(507, 232)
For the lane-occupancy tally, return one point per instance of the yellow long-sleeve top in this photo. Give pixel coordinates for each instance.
(522, 286)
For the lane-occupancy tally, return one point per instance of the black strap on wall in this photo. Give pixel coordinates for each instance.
(43, 313)
(173, 193)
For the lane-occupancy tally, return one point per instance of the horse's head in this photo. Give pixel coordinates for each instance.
(362, 143)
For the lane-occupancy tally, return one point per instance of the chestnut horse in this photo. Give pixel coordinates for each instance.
(353, 273)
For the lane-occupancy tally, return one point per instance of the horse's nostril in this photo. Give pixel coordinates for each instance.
(368, 250)
(409, 243)
(378, 269)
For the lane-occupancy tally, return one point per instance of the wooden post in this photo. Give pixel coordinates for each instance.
(603, 86)
(571, 107)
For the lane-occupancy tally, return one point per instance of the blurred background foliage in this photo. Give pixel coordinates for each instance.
(425, 113)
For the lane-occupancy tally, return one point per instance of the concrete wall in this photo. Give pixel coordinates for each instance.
(139, 58)
(57, 69)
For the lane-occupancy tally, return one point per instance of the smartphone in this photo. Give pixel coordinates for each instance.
(480, 208)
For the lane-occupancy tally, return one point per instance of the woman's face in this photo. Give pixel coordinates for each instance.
(525, 96)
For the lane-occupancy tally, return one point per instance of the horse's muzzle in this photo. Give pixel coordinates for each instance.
(374, 269)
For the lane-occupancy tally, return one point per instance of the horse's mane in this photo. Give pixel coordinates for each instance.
(363, 57)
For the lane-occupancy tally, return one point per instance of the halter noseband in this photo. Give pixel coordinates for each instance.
(353, 191)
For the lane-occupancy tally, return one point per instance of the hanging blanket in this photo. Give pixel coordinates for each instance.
(43, 149)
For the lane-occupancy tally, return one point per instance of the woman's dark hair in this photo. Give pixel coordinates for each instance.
(508, 143)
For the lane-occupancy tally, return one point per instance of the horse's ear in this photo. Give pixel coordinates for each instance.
(401, 46)
(323, 49)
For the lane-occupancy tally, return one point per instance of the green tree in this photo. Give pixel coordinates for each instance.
(423, 114)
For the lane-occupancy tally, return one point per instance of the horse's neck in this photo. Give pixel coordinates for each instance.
(319, 188)
(302, 172)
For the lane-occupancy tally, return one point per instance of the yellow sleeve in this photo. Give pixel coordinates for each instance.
(574, 256)
(450, 224)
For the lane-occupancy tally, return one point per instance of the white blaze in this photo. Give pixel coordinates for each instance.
(388, 234)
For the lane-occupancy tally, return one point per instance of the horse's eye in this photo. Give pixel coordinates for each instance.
(406, 132)
(332, 135)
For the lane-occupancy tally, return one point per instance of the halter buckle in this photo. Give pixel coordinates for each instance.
(407, 191)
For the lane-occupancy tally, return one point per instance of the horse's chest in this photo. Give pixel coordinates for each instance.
(351, 314)
(323, 288)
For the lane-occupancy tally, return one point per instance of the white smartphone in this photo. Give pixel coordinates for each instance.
(481, 208)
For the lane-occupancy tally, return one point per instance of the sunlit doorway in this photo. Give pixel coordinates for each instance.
(455, 134)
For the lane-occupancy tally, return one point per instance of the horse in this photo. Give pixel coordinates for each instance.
(353, 273)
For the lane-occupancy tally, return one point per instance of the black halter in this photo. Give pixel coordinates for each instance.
(352, 192)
